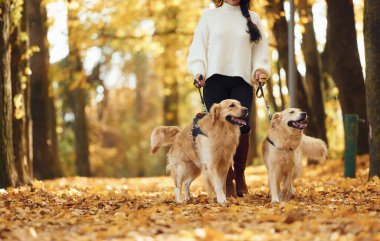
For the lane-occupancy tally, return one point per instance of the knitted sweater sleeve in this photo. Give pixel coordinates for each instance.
(260, 51)
(197, 58)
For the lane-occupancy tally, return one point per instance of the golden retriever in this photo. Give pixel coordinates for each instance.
(283, 149)
(211, 154)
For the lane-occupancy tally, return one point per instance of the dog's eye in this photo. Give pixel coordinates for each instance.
(291, 112)
(232, 105)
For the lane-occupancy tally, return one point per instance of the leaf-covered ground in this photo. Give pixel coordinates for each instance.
(326, 207)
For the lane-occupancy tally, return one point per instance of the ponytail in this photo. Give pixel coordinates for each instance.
(253, 30)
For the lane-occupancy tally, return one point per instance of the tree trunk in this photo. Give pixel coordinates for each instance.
(20, 89)
(372, 49)
(141, 66)
(345, 63)
(280, 31)
(8, 173)
(171, 95)
(313, 70)
(45, 163)
(304, 105)
(28, 131)
(283, 104)
(78, 99)
(53, 136)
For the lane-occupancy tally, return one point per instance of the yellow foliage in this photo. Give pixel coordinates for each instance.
(163, 31)
(18, 102)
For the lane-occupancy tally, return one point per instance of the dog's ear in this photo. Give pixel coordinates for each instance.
(215, 112)
(276, 118)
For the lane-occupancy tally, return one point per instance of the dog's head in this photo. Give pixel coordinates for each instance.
(290, 119)
(230, 110)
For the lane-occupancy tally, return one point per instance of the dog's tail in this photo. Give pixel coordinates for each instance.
(313, 148)
(163, 136)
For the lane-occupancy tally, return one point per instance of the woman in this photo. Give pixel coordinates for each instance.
(231, 52)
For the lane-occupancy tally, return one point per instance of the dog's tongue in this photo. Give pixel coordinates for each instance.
(301, 125)
(239, 121)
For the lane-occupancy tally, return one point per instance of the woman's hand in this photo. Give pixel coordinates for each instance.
(261, 76)
(200, 80)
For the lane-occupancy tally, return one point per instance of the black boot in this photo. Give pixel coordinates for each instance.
(230, 185)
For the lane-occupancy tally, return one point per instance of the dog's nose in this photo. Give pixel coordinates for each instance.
(304, 115)
(245, 110)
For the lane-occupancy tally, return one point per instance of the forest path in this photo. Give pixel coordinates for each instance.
(326, 207)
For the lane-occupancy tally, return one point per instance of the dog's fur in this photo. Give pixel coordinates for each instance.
(212, 154)
(283, 160)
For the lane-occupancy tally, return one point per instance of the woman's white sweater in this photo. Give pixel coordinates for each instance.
(221, 45)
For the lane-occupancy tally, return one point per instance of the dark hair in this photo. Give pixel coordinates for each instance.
(253, 30)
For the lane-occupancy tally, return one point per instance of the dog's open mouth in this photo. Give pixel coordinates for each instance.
(239, 121)
(299, 124)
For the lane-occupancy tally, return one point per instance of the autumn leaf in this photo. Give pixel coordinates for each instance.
(326, 206)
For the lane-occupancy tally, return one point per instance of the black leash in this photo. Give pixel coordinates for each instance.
(260, 94)
(196, 130)
(204, 109)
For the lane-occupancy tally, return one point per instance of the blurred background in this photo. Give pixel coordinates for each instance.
(103, 74)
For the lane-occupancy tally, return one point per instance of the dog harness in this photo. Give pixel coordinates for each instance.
(283, 149)
(196, 130)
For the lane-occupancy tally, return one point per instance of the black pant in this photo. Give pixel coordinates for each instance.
(220, 87)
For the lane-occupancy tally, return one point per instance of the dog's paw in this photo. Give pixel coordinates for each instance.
(222, 200)
(291, 192)
(282, 196)
(188, 199)
(224, 204)
(275, 200)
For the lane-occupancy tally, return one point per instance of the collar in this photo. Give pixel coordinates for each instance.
(229, 7)
(282, 149)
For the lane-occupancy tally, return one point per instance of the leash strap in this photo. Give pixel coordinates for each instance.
(271, 142)
(204, 109)
(282, 149)
(260, 94)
